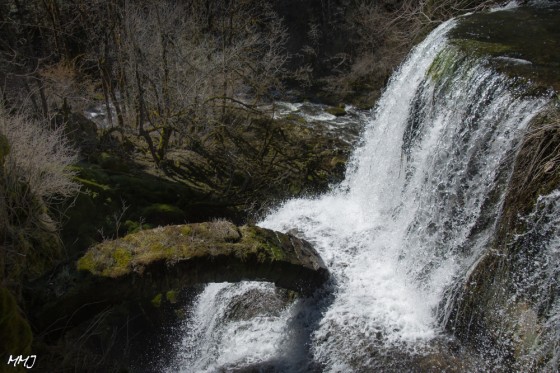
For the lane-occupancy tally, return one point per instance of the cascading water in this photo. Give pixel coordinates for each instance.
(419, 204)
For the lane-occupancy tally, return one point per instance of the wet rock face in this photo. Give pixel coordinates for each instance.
(143, 265)
(508, 306)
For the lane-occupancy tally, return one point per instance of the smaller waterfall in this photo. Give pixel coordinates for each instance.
(232, 324)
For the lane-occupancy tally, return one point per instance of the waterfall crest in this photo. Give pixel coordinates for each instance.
(419, 205)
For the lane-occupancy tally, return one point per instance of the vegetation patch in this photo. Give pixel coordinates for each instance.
(156, 301)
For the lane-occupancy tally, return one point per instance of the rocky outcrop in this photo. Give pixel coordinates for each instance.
(146, 264)
(523, 44)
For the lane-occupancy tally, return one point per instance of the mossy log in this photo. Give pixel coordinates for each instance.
(142, 265)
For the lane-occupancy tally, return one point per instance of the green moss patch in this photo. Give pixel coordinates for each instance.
(122, 258)
(182, 242)
(265, 242)
(172, 296)
(156, 301)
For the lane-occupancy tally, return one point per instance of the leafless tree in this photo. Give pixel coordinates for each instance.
(190, 65)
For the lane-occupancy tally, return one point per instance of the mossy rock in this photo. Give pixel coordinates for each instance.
(337, 111)
(15, 333)
(119, 257)
(210, 241)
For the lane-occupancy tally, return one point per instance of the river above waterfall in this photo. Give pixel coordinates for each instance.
(417, 211)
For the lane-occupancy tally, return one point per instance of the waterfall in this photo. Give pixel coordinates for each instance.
(418, 207)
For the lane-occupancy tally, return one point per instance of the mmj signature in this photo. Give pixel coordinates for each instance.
(27, 362)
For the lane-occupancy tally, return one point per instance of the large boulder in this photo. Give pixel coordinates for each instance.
(143, 265)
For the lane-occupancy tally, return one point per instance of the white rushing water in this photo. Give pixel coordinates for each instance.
(419, 203)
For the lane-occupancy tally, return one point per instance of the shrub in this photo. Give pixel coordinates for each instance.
(38, 157)
(34, 179)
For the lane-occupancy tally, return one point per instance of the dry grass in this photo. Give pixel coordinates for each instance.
(39, 157)
(545, 138)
